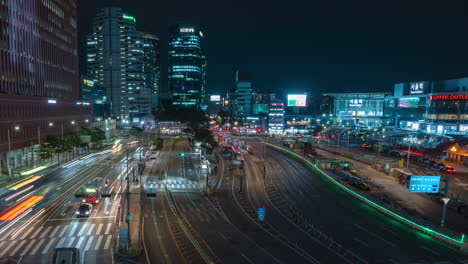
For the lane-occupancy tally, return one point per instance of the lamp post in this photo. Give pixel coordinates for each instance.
(409, 150)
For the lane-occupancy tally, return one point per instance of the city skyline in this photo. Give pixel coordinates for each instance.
(317, 47)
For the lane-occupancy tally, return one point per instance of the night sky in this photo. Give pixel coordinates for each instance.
(312, 46)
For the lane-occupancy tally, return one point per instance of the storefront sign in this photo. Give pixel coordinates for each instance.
(450, 97)
(417, 88)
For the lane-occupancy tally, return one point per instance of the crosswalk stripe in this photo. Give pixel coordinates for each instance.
(99, 229)
(37, 247)
(73, 229)
(83, 229)
(98, 243)
(47, 247)
(90, 241)
(2, 243)
(60, 243)
(27, 233)
(26, 249)
(90, 230)
(55, 231)
(63, 231)
(36, 233)
(17, 248)
(45, 232)
(5, 250)
(7, 234)
(108, 228)
(78, 245)
(106, 246)
(70, 243)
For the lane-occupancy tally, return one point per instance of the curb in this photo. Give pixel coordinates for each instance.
(456, 243)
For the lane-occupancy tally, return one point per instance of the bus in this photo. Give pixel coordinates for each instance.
(66, 256)
(91, 192)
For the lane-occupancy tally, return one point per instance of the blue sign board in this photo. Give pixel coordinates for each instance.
(261, 214)
(424, 184)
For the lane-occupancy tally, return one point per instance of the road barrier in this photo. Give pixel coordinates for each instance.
(453, 242)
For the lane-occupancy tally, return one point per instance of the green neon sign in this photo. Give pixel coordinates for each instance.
(401, 218)
(129, 17)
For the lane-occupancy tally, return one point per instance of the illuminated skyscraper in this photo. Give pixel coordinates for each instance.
(152, 66)
(39, 81)
(187, 65)
(115, 60)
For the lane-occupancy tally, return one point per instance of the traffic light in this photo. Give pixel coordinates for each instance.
(182, 154)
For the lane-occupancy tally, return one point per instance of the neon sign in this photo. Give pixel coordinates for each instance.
(187, 30)
(449, 97)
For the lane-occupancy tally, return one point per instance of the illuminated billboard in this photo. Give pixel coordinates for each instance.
(215, 98)
(297, 99)
(408, 102)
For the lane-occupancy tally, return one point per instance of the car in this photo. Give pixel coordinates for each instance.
(84, 210)
(442, 167)
(450, 170)
(437, 165)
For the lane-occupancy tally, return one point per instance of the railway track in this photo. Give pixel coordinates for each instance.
(190, 244)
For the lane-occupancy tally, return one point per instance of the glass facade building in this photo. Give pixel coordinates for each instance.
(186, 65)
(358, 108)
(242, 96)
(39, 80)
(115, 60)
(439, 107)
(152, 66)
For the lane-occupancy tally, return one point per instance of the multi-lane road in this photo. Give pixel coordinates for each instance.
(32, 236)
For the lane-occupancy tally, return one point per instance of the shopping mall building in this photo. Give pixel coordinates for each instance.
(438, 107)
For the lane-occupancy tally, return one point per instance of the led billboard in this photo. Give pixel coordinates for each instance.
(297, 99)
(215, 98)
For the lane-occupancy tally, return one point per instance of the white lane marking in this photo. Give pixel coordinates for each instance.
(377, 236)
(90, 241)
(430, 250)
(17, 248)
(11, 243)
(83, 229)
(26, 249)
(55, 231)
(358, 240)
(108, 228)
(246, 258)
(60, 243)
(98, 243)
(90, 230)
(47, 247)
(106, 246)
(72, 230)
(37, 232)
(33, 252)
(27, 233)
(99, 229)
(78, 245)
(63, 231)
(391, 231)
(45, 232)
(70, 243)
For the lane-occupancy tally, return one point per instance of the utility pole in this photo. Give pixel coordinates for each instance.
(8, 154)
(409, 150)
(444, 206)
(129, 217)
(264, 164)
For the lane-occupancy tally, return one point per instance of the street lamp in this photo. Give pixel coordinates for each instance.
(51, 124)
(72, 122)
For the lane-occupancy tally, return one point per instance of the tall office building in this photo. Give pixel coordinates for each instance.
(115, 60)
(242, 95)
(39, 81)
(187, 65)
(152, 66)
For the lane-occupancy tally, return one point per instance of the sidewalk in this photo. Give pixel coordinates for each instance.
(414, 203)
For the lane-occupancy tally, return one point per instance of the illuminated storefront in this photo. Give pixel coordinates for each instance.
(437, 107)
(364, 109)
